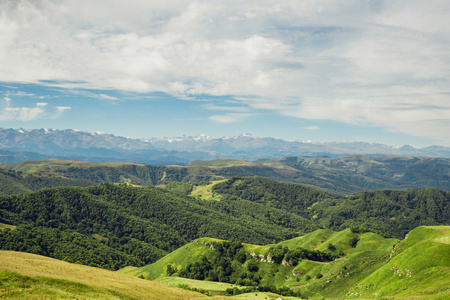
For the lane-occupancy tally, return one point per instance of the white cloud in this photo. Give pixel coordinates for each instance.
(229, 118)
(9, 113)
(360, 62)
(63, 108)
(210, 106)
(19, 94)
(107, 97)
(311, 128)
(20, 113)
(59, 111)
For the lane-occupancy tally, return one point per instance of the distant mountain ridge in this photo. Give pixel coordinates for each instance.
(51, 139)
(271, 147)
(18, 145)
(342, 175)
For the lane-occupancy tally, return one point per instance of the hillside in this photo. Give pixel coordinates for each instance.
(112, 226)
(13, 183)
(29, 276)
(368, 265)
(115, 225)
(348, 174)
(342, 175)
(394, 212)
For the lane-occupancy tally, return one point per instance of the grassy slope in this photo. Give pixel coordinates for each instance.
(420, 266)
(343, 175)
(205, 191)
(28, 276)
(367, 268)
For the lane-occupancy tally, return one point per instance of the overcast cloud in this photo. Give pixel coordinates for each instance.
(377, 63)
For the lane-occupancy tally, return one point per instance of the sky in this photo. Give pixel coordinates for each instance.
(373, 71)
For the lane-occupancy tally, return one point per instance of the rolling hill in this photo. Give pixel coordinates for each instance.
(114, 225)
(30, 276)
(117, 225)
(417, 267)
(342, 175)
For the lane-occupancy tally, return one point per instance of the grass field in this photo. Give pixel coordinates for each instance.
(415, 268)
(205, 191)
(28, 276)
(375, 267)
(199, 284)
(4, 226)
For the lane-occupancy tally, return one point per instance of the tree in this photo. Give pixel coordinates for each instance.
(170, 270)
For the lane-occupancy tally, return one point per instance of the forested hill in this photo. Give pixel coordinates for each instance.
(12, 183)
(114, 225)
(342, 175)
(394, 212)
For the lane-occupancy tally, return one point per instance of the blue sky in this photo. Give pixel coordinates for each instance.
(375, 71)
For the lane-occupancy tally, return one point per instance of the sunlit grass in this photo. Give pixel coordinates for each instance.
(29, 276)
(4, 226)
(205, 191)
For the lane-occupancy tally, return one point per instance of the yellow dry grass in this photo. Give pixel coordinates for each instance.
(4, 226)
(132, 287)
(205, 191)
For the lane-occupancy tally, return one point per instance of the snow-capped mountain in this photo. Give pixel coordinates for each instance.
(228, 145)
(249, 145)
(53, 140)
(99, 146)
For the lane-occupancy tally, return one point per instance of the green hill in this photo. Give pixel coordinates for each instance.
(394, 212)
(417, 267)
(29, 276)
(113, 225)
(341, 175)
(13, 183)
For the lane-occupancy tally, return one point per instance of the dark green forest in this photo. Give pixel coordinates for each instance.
(13, 183)
(393, 212)
(144, 223)
(115, 225)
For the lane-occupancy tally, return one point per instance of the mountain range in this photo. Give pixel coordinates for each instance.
(17, 145)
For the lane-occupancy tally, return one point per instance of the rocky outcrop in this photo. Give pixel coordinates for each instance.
(262, 258)
(286, 263)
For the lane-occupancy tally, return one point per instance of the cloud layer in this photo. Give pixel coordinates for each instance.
(376, 63)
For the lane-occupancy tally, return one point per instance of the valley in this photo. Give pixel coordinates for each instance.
(168, 224)
(341, 175)
(375, 267)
